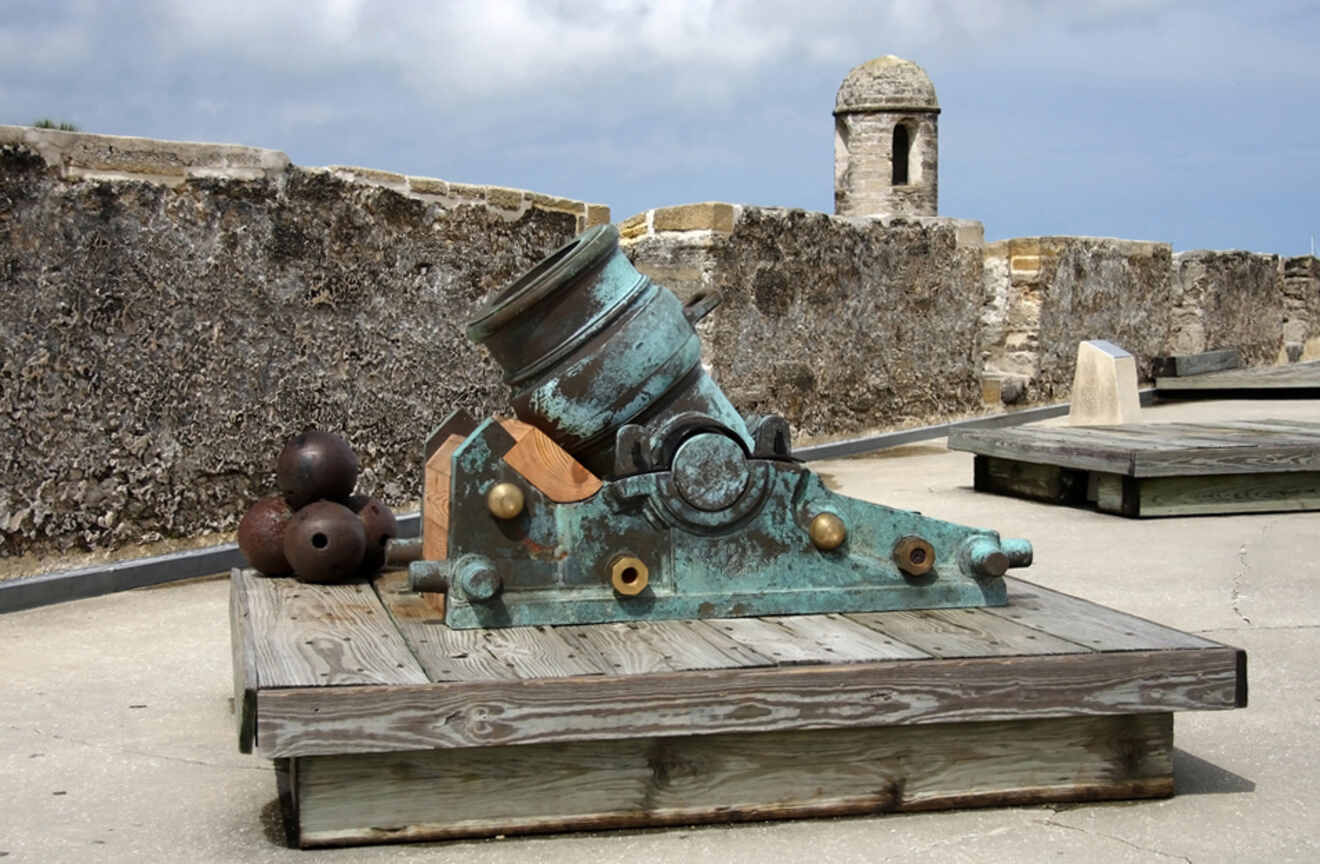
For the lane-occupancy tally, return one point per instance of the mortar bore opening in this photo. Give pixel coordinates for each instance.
(536, 272)
(320, 541)
(629, 575)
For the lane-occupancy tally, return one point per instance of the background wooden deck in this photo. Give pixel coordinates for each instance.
(1300, 380)
(1155, 469)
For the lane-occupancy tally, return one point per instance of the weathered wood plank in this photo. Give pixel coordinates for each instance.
(965, 633)
(798, 639)
(1088, 623)
(1179, 365)
(623, 649)
(1041, 446)
(636, 647)
(729, 647)
(1229, 493)
(1028, 480)
(434, 795)
(325, 635)
(327, 720)
(846, 640)
(244, 655)
(477, 655)
(1023, 460)
(1300, 376)
(1116, 493)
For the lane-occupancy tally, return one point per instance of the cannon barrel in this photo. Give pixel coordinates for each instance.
(589, 345)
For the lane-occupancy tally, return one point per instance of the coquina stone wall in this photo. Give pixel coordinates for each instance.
(838, 324)
(172, 312)
(1045, 294)
(1300, 280)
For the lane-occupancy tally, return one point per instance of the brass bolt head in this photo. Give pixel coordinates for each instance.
(827, 531)
(505, 500)
(914, 555)
(629, 575)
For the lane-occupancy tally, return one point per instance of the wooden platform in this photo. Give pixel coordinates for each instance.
(389, 726)
(1153, 469)
(1294, 381)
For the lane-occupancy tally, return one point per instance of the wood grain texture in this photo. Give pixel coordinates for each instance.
(243, 649)
(965, 633)
(478, 654)
(720, 778)
(547, 466)
(1179, 365)
(324, 635)
(1088, 623)
(638, 647)
(1230, 493)
(1293, 376)
(329, 720)
(1137, 450)
(435, 499)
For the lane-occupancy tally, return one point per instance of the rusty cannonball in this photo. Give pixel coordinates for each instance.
(315, 465)
(380, 527)
(325, 542)
(261, 535)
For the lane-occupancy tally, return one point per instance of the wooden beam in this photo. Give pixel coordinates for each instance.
(647, 782)
(302, 721)
(244, 655)
(547, 466)
(1182, 365)
(324, 636)
(1231, 493)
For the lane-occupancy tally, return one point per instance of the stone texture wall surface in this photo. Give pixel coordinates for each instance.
(1300, 284)
(863, 165)
(1044, 295)
(1227, 300)
(840, 325)
(173, 312)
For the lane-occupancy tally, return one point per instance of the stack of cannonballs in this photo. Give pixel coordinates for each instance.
(317, 529)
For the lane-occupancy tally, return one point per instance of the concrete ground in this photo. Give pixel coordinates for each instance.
(117, 743)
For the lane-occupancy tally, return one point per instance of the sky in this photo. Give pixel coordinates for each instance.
(1193, 123)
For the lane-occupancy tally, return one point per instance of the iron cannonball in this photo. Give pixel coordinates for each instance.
(261, 535)
(325, 542)
(314, 465)
(380, 527)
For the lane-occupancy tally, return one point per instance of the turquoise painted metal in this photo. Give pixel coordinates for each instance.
(709, 511)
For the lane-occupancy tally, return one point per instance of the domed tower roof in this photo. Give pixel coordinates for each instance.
(886, 83)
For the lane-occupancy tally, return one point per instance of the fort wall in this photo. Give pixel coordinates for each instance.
(174, 311)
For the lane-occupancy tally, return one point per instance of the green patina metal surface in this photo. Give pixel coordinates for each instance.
(713, 509)
(752, 557)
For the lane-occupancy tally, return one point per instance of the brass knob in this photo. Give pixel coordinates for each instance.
(914, 555)
(629, 575)
(505, 500)
(827, 531)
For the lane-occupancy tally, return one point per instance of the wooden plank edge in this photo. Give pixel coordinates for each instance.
(1240, 663)
(811, 775)
(244, 658)
(1017, 583)
(875, 805)
(310, 721)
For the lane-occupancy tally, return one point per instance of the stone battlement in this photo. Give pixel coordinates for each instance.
(85, 156)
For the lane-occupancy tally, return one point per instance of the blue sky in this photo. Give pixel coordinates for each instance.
(1196, 124)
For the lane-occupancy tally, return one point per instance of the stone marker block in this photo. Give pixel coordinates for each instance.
(1104, 391)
